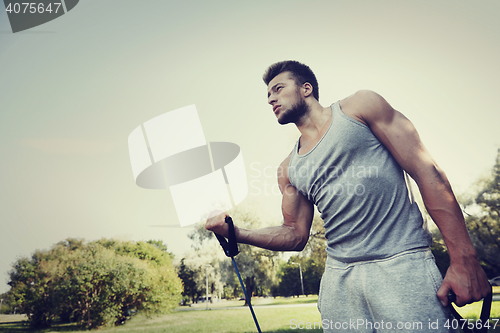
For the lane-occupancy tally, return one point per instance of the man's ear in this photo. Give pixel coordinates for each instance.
(307, 89)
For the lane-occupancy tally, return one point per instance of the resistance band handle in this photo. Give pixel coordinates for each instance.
(485, 313)
(229, 246)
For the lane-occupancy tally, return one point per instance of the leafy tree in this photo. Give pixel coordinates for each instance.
(33, 290)
(161, 246)
(258, 268)
(315, 250)
(289, 284)
(95, 284)
(210, 260)
(5, 306)
(484, 224)
(98, 284)
(289, 276)
(186, 274)
(440, 252)
(312, 262)
(481, 206)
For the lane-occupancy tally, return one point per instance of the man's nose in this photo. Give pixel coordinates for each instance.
(271, 99)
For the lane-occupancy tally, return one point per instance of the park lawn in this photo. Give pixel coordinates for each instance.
(273, 319)
(236, 320)
(472, 311)
(239, 320)
(257, 301)
(286, 300)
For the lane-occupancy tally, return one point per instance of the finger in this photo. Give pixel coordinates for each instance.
(215, 219)
(215, 213)
(443, 292)
(485, 287)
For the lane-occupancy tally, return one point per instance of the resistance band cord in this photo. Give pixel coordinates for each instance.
(230, 248)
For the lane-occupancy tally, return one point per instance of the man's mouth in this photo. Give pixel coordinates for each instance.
(275, 108)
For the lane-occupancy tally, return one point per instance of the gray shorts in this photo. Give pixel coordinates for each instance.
(395, 294)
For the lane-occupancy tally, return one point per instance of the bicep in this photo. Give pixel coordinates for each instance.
(297, 210)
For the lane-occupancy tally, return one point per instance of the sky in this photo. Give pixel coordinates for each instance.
(73, 89)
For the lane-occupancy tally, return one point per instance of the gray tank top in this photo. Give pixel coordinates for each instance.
(360, 191)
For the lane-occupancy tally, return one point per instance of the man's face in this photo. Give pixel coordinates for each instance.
(288, 104)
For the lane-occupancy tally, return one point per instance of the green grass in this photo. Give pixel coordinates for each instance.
(240, 320)
(472, 311)
(257, 301)
(235, 320)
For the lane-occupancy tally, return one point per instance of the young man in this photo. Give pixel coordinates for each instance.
(350, 162)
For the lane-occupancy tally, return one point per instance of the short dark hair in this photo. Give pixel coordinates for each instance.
(301, 74)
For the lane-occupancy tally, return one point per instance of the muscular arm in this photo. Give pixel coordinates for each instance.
(464, 276)
(292, 235)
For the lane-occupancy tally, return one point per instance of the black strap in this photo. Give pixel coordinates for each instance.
(485, 314)
(230, 246)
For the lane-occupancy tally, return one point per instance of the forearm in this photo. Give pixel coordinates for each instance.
(445, 211)
(278, 238)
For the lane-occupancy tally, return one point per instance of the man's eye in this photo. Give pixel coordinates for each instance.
(278, 88)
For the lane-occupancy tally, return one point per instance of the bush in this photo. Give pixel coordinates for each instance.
(95, 284)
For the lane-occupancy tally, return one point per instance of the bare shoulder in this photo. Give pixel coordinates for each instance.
(366, 106)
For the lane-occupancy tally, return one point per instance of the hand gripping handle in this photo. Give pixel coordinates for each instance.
(229, 246)
(485, 313)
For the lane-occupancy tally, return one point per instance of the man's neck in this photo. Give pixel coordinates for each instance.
(313, 123)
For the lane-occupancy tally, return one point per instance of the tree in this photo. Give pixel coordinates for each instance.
(315, 250)
(289, 284)
(95, 284)
(186, 274)
(197, 264)
(161, 246)
(312, 262)
(289, 276)
(32, 289)
(5, 305)
(481, 207)
(484, 224)
(440, 252)
(258, 268)
(98, 286)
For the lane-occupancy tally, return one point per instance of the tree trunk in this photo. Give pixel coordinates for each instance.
(249, 285)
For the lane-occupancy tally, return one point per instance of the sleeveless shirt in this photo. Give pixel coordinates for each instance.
(360, 191)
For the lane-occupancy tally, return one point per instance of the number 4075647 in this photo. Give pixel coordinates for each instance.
(471, 324)
(32, 8)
